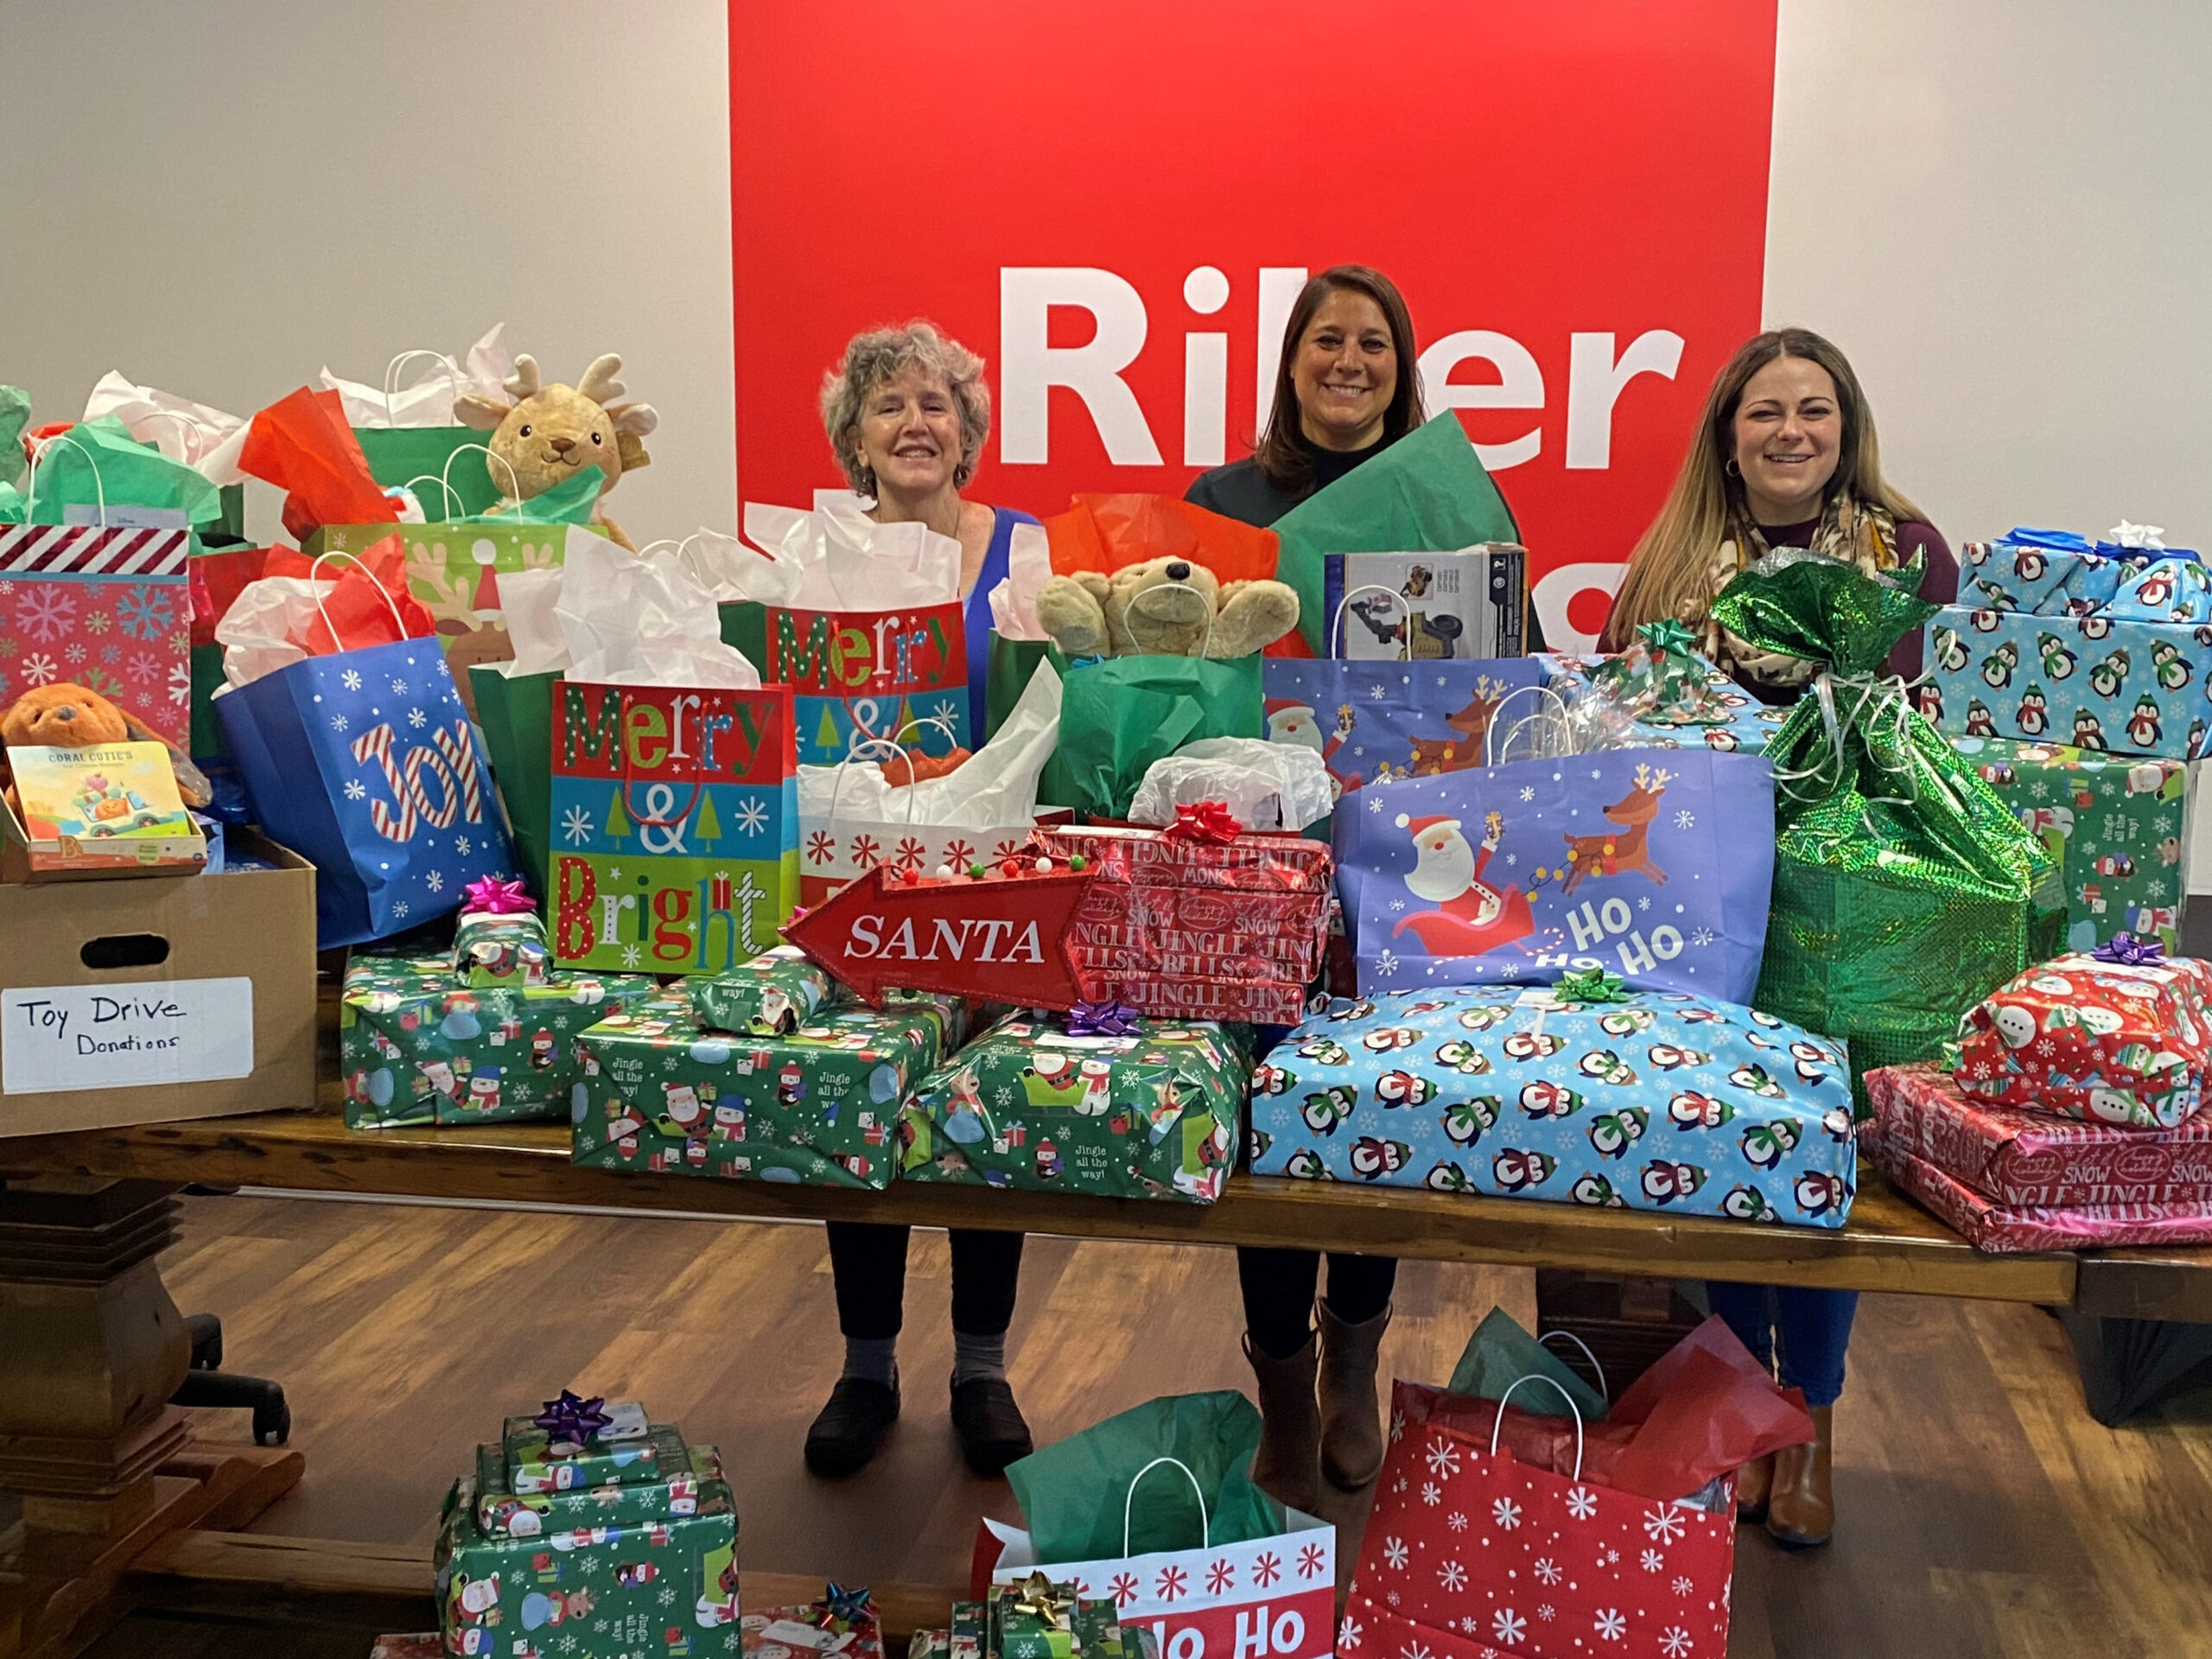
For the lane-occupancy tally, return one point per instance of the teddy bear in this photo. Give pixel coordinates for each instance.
(71, 717)
(549, 434)
(1164, 608)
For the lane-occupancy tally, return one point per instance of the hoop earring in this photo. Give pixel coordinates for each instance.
(1730, 468)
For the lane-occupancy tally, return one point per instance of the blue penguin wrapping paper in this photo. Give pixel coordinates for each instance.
(1659, 1101)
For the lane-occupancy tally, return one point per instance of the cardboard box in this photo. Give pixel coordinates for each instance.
(21, 860)
(150, 1000)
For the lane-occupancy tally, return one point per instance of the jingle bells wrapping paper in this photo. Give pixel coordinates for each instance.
(419, 1044)
(2024, 1159)
(1656, 1101)
(1131, 1106)
(774, 992)
(1202, 922)
(2005, 1228)
(2118, 825)
(665, 1094)
(2112, 1041)
(683, 1477)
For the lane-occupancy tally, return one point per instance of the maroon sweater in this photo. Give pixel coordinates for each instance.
(1939, 580)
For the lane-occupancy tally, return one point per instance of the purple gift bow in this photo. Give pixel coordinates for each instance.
(2127, 950)
(572, 1417)
(1107, 1019)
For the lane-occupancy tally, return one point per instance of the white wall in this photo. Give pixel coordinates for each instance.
(220, 197)
(2002, 211)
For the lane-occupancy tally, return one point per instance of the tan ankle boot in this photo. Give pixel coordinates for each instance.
(1287, 1464)
(1801, 1510)
(1352, 1424)
(1754, 1481)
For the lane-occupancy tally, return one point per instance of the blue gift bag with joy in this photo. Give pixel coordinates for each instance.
(1655, 866)
(365, 765)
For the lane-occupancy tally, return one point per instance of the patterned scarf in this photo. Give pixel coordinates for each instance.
(1849, 530)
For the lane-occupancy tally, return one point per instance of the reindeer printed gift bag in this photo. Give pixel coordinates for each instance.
(1652, 1101)
(1372, 722)
(1519, 874)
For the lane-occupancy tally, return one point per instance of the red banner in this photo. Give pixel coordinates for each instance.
(1116, 204)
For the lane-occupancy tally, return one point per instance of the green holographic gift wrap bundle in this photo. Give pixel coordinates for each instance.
(1904, 889)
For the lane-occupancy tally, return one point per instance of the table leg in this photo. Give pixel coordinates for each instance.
(91, 1350)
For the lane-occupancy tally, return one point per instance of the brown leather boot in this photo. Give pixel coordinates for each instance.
(1801, 1510)
(1352, 1421)
(1754, 1481)
(1287, 1464)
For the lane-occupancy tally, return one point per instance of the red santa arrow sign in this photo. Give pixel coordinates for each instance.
(1002, 941)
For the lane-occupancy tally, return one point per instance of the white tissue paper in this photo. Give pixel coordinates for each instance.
(1029, 567)
(632, 618)
(1265, 785)
(527, 598)
(995, 788)
(834, 558)
(429, 399)
(257, 632)
(723, 564)
(207, 440)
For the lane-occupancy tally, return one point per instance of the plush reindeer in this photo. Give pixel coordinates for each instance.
(549, 434)
(1436, 754)
(1608, 854)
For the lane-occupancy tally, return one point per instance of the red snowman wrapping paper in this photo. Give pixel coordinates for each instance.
(2025, 1159)
(1478, 1544)
(1198, 929)
(2108, 1042)
(2005, 1230)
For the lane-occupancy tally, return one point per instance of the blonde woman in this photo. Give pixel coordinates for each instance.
(1784, 456)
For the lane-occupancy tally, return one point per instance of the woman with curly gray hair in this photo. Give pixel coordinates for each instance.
(906, 411)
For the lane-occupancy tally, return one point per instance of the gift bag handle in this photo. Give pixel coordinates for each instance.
(336, 553)
(1128, 1502)
(99, 490)
(1205, 640)
(861, 747)
(392, 374)
(450, 498)
(1405, 633)
(1498, 1421)
(1489, 734)
(459, 450)
(1605, 1390)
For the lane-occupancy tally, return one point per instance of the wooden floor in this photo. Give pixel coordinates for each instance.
(1983, 1512)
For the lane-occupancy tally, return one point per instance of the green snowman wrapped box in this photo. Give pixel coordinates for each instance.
(417, 1044)
(663, 1092)
(774, 992)
(658, 1577)
(1094, 1101)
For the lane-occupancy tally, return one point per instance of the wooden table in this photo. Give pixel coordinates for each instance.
(141, 1504)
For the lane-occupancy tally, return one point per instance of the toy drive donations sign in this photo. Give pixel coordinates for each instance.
(1116, 206)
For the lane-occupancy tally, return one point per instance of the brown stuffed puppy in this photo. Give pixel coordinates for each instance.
(1164, 608)
(70, 717)
(549, 434)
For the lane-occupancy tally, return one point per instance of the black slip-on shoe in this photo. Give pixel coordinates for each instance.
(990, 1426)
(844, 1437)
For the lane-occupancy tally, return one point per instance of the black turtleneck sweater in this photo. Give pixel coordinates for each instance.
(1240, 491)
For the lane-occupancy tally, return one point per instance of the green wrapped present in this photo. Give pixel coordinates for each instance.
(1904, 890)
(1034, 1619)
(499, 937)
(1098, 1101)
(817, 1104)
(2117, 824)
(417, 1046)
(684, 1477)
(614, 1447)
(776, 991)
(971, 1629)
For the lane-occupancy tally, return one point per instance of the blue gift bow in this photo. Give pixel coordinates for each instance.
(2066, 541)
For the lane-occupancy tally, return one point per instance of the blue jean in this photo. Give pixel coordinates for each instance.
(1809, 1329)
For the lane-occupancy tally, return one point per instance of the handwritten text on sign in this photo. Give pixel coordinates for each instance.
(56, 1038)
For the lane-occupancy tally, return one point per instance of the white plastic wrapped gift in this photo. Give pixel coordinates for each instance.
(1265, 785)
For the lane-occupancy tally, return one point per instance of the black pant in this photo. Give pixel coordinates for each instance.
(868, 1261)
(1279, 1293)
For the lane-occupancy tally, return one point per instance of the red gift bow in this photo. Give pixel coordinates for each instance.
(489, 895)
(1208, 821)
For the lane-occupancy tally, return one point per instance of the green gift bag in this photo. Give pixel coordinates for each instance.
(1072, 1492)
(515, 713)
(1008, 668)
(403, 455)
(1425, 493)
(98, 464)
(1904, 889)
(1120, 715)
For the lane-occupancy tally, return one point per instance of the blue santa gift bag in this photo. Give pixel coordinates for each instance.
(1655, 866)
(1373, 722)
(365, 765)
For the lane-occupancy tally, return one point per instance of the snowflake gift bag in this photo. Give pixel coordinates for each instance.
(105, 609)
(1655, 867)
